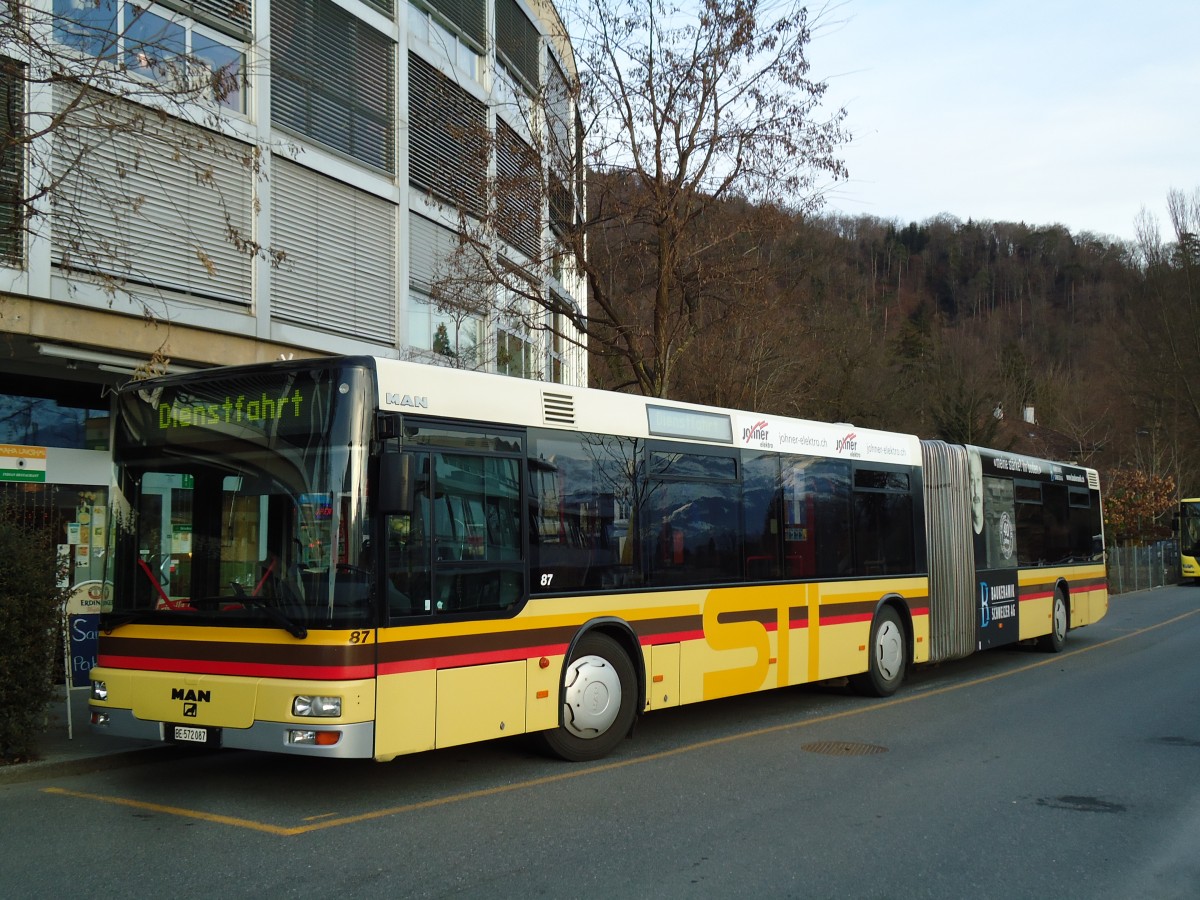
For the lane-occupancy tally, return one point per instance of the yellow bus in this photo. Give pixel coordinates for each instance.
(361, 557)
(1188, 526)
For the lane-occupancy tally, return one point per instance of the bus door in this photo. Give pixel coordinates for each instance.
(997, 605)
(452, 533)
(452, 549)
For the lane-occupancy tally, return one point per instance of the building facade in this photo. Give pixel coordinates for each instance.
(215, 182)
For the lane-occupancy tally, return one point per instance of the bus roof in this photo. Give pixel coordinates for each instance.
(407, 387)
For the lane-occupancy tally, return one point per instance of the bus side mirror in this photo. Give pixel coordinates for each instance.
(396, 484)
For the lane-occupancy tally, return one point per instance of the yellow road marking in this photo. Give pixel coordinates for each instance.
(174, 811)
(591, 770)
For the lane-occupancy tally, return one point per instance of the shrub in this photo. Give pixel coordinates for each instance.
(30, 603)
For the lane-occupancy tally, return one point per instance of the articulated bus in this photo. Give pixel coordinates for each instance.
(362, 557)
(1189, 538)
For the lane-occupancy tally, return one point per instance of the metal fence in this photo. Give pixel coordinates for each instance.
(1142, 568)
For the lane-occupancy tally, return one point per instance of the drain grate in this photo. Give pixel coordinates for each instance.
(843, 748)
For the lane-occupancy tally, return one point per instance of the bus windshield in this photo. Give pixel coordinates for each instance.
(1189, 528)
(237, 501)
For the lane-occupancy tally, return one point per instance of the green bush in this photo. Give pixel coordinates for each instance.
(30, 603)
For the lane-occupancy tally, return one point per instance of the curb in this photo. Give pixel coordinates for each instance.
(36, 770)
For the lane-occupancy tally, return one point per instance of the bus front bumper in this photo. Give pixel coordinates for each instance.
(353, 740)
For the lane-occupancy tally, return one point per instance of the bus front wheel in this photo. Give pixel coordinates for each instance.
(599, 684)
(888, 657)
(1057, 638)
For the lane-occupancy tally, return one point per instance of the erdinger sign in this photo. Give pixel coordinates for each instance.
(88, 599)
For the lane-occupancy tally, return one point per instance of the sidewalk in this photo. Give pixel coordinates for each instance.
(61, 754)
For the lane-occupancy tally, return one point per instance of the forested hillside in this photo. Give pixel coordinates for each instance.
(945, 328)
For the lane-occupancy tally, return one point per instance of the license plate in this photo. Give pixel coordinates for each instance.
(191, 735)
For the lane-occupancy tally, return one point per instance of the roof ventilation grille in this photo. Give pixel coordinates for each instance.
(558, 409)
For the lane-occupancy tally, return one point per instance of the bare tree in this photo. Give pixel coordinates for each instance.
(682, 109)
(1163, 373)
(691, 107)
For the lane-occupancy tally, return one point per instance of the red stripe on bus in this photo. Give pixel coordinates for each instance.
(677, 637)
(844, 620)
(469, 659)
(252, 670)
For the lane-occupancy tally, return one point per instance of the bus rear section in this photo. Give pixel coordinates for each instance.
(1016, 549)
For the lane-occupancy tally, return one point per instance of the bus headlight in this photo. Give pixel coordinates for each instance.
(317, 707)
(99, 690)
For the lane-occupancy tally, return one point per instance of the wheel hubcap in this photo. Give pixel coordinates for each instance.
(1060, 618)
(889, 650)
(592, 696)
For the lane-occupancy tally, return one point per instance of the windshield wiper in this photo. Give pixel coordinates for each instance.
(295, 629)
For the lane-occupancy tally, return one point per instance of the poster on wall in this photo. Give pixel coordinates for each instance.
(21, 463)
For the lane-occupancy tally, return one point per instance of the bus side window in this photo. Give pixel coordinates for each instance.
(406, 561)
(478, 533)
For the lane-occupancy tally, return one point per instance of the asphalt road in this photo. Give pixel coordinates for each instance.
(1010, 774)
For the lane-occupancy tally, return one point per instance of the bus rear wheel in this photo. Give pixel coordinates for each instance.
(1057, 638)
(599, 685)
(888, 657)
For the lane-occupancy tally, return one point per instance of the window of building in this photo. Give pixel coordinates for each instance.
(55, 414)
(157, 43)
(182, 233)
(455, 336)
(333, 80)
(518, 192)
(154, 44)
(517, 43)
(467, 18)
(454, 333)
(431, 30)
(516, 346)
(556, 362)
(339, 271)
(447, 138)
(514, 352)
(90, 28)
(12, 161)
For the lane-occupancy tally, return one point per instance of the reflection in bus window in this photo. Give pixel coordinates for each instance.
(816, 517)
(692, 532)
(583, 499)
(458, 549)
(883, 523)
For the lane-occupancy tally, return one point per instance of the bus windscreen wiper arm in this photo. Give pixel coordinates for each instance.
(295, 629)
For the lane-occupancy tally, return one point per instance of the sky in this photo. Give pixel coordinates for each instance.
(1078, 113)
